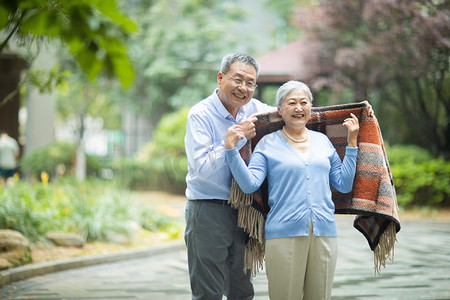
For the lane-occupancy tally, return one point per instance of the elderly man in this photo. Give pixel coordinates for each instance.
(215, 244)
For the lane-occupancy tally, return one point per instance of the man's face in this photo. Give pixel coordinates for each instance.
(232, 94)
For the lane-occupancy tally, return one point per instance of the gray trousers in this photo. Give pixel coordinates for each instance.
(215, 250)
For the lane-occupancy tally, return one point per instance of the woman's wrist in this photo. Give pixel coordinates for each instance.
(229, 144)
(352, 141)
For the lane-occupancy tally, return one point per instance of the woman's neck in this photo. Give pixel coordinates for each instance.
(296, 132)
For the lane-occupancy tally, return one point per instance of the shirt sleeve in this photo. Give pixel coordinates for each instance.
(343, 174)
(204, 153)
(248, 178)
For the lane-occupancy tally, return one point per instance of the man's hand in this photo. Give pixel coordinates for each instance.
(248, 127)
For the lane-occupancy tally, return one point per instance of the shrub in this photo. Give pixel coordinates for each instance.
(28, 210)
(419, 178)
(52, 157)
(94, 209)
(133, 174)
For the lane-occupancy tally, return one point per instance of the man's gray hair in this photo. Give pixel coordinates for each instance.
(229, 59)
(291, 86)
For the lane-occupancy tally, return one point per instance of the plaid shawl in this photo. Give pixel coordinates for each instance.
(372, 200)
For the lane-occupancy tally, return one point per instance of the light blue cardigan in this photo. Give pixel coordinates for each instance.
(299, 189)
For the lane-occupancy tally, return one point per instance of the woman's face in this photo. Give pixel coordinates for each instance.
(295, 109)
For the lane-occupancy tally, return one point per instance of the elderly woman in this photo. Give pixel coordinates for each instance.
(300, 165)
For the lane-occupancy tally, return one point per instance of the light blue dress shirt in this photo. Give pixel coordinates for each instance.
(299, 188)
(209, 176)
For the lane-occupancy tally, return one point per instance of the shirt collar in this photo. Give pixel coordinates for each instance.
(223, 111)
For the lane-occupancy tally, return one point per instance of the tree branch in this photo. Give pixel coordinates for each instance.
(10, 35)
(15, 92)
(9, 97)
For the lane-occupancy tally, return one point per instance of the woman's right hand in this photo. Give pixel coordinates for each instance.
(234, 134)
(352, 125)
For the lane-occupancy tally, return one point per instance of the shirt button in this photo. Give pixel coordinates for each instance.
(307, 177)
(309, 192)
(306, 164)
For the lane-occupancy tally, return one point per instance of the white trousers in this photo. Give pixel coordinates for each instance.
(301, 267)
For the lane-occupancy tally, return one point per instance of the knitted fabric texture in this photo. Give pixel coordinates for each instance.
(372, 200)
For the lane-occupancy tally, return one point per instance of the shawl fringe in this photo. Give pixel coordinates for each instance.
(385, 248)
(253, 221)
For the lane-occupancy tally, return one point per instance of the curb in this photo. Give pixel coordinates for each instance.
(24, 272)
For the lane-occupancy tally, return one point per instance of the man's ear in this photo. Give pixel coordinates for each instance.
(219, 78)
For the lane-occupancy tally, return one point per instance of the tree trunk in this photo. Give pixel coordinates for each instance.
(80, 165)
(11, 68)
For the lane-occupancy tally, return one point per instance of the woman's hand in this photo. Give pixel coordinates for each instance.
(352, 125)
(234, 134)
(369, 109)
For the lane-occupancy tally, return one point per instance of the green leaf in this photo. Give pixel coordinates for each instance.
(88, 61)
(109, 9)
(74, 42)
(112, 45)
(4, 16)
(41, 22)
(123, 69)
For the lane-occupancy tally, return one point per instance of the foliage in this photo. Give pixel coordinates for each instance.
(93, 31)
(420, 179)
(96, 210)
(167, 152)
(133, 174)
(20, 211)
(46, 81)
(168, 139)
(396, 52)
(78, 99)
(176, 52)
(286, 9)
(161, 164)
(269, 95)
(53, 158)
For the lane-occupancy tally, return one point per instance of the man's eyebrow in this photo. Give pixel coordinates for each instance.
(241, 75)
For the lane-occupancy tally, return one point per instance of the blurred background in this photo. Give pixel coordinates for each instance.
(98, 91)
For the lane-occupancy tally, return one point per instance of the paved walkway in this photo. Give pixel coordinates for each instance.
(421, 270)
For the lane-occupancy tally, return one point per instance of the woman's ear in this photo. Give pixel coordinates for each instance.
(278, 110)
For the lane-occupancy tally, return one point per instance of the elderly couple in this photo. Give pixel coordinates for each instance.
(299, 164)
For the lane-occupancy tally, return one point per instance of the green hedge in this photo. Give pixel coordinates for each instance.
(419, 178)
(53, 156)
(162, 173)
(161, 164)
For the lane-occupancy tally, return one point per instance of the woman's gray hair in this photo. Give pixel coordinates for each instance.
(291, 86)
(229, 59)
